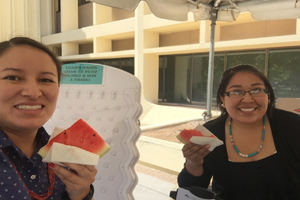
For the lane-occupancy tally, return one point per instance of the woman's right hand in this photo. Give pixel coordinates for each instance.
(76, 177)
(194, 155)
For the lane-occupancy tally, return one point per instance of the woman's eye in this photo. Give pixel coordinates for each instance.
(12, 78)
(258, 90)
(236, 92)
(46, 80)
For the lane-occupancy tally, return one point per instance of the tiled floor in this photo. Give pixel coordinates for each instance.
(153, 184)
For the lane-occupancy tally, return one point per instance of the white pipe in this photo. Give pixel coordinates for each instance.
(216, 5)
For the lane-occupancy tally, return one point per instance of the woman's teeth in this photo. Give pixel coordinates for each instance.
(247, 109)
(27, 107)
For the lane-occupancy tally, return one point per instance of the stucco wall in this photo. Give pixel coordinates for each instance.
(125, 44)
(85, 15)
(258, 29)
(179, 38)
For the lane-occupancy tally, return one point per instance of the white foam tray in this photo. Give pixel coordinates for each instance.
(112, 109)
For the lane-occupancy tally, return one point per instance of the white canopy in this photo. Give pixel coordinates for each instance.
(228, 10)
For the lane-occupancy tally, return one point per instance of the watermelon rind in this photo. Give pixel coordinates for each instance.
(181, 139)
(71, 155)
(104, 150)
(44, 151)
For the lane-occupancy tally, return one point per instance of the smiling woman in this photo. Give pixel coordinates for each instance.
(28, 91)
(29, 88)
(260, 158)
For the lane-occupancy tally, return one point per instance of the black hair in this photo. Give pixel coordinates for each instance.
(20, 41)
(229, 73)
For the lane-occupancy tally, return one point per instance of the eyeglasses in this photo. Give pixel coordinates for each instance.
(259, 92)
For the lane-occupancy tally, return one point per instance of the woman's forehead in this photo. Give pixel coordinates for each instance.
(245, 78)
(26, 56)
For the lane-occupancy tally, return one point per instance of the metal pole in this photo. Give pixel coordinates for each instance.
(211, 63)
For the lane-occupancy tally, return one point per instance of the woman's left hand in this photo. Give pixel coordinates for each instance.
(77, 178)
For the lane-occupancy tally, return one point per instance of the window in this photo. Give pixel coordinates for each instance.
(82, 2)
(284, 73)
(200, 77)
(176, 79)
(183, 78)
(127, 64)
(161, 78)
(257, 59)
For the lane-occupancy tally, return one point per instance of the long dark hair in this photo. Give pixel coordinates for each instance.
(229, 73)
(20, 41)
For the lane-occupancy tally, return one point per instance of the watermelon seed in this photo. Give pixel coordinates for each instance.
(94, 135)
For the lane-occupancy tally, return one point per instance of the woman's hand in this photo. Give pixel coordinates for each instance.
(77, 178)
(194, 155)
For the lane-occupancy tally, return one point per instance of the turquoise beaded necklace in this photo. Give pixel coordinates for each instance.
(260, 146)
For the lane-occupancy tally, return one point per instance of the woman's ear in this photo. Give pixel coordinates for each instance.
(223, 103)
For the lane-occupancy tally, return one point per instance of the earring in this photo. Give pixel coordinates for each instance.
(223, 105)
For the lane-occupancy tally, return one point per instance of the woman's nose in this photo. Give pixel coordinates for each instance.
(31, 89)
(247, 97)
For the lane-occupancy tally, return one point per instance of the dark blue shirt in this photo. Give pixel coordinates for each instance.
(33, 171)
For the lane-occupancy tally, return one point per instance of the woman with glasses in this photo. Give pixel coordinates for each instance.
(260, 158)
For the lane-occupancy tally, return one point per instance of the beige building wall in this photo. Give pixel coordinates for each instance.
(93, 31)
(24, 18)
(121, 45)
(258, 29)
(85, 17)
(179, 38)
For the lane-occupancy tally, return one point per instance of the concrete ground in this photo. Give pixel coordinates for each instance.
(159, 147)
(153, 184)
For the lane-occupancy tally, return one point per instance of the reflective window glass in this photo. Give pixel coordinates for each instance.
(284, 73)
(200, 77)
(257, 59)
(161, 81)
(176, 79)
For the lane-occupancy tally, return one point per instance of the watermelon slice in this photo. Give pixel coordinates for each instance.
(185, 135)
(80, 135)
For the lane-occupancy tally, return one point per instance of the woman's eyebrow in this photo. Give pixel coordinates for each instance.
(50, 73)
(19, 70)
(255, 84)
(11, 69)
(234, 86)
(238, 86)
